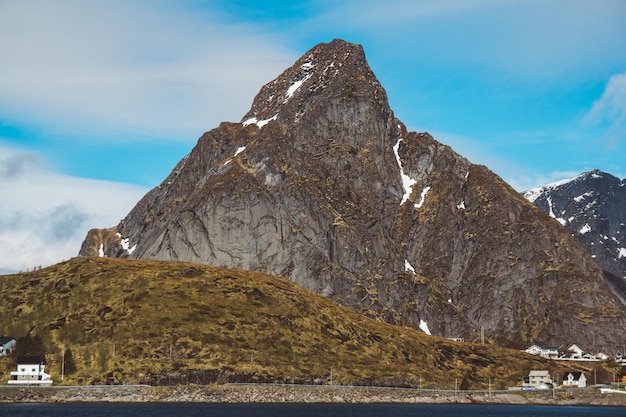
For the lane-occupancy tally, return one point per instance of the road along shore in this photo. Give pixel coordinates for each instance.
(233, 393)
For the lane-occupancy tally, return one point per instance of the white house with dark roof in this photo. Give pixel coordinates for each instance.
(30, 371)
(7, 344)
(575, 379)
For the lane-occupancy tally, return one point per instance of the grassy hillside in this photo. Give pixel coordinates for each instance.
(133, 321)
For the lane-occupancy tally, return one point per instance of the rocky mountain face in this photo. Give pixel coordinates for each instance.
(321, 184)
(592, 207)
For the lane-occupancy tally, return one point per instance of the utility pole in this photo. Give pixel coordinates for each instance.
(331, 376)
(482, 335)
(489, 387)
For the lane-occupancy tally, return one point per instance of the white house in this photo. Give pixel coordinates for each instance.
(575, 379)
(7, 344)
(538, 380)
(30, 371)
(548, 352)
(575, 352)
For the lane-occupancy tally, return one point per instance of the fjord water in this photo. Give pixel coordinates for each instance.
(301, 410)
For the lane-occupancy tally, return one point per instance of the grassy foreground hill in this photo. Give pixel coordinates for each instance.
(131, 321)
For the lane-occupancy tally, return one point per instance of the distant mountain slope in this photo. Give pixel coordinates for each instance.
(592, 207)
(321, 184)
(129, 321)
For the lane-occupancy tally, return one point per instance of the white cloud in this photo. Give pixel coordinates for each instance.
(610, 109)
(44, 216)
(145, 67)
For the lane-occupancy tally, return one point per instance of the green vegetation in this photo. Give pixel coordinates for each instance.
(129, 321)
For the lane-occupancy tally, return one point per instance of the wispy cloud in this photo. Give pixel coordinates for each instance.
(610, 110)
(538, 37)
(147, 68)
(44, 216)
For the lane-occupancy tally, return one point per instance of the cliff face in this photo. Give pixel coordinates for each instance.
(592, 206)
(321, 184)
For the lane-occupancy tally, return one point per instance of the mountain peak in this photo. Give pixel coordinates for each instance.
(591, 207)
(586, 177)
(321, 184)
(333, 69)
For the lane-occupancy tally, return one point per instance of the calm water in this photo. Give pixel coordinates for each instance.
(300, 410)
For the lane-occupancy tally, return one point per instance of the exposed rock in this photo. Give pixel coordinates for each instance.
(321, 184)
(297, 394)
(592, 206)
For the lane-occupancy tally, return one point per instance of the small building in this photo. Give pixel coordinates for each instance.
(548, 352)
(7, 344)
(575, 379)
(30, 371)
(538, 380)
(575, 352)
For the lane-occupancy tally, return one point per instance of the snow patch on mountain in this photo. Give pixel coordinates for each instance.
(408, 267)
(422, 198)
(407, 182)
(294, 87)
(551, 213)
(581, 197)
(259, 123)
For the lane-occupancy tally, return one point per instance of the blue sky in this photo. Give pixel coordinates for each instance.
(99, 100)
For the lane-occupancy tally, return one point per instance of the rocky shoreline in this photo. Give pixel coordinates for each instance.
(298, 394)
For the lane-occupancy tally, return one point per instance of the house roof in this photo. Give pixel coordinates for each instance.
(4, 340)
(29, 360)
(539, 373)
(545, 347)
(574, 346)
(576, 375)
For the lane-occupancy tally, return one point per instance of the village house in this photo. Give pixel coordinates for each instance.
(575, 352)
(30, 371)
(7, 344)
(572, 353)
(538, 380)
(574, 379)
(548, 352)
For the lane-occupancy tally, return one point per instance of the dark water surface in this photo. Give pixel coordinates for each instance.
(301, 410)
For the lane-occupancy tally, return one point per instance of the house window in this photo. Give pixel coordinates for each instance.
(22, 369)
